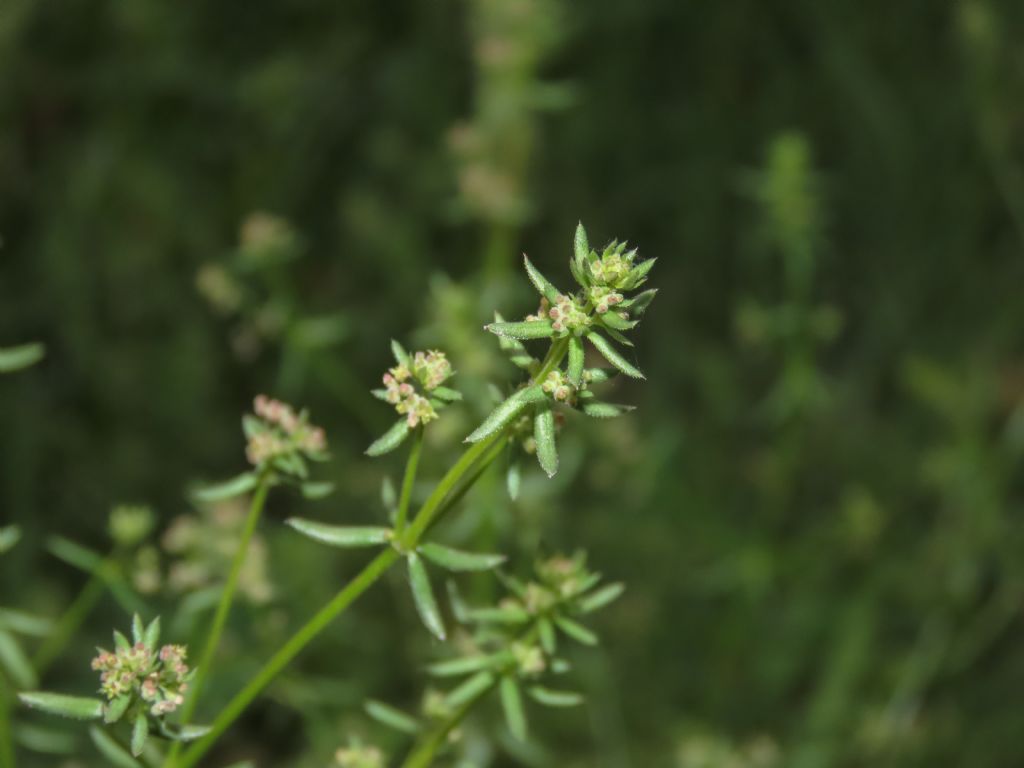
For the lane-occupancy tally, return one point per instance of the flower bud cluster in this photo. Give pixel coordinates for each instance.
(568, 316)
(558, 386)
(359, 757)
(613, 267)
(159, 679)
(529, 659)
(565, 576)
(129, 525)
(604, 298)
(429, 370)
(281, 431)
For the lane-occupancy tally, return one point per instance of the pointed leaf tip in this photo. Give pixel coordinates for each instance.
(423, 597)
(75, 707)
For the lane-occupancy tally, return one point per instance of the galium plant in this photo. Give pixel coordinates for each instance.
(509, 646)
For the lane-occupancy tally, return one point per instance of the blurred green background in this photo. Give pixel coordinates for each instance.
(817, 506)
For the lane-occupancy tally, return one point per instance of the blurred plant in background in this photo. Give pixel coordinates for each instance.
(831, 460)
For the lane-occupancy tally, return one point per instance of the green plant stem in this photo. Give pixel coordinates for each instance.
(432, 508)
(423, 753)
(223, 607)
(410, 477)
(71, 620)
(6, 747)
(289, 651)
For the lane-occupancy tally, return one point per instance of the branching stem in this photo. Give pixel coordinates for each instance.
(437, 503)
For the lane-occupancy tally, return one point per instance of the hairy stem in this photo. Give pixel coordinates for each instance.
(437, 503)
(223, 608)
(410, 477)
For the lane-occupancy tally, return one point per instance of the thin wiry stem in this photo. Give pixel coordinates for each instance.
(223, 607)
(431, 510)
(410, 477)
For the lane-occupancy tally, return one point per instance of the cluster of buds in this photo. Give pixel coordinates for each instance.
(129, 525)
(604, 298)
(565, 576)
(557, 385)
(613, 266)
(567, 316)
(529, 659)
(279, 431)
(429, 370)
(159, 678)
(357, 756)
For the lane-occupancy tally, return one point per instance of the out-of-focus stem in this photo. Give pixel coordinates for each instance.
(410, 477)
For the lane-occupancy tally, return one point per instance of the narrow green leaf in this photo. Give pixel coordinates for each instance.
(16, 358)
(184, 733)
(606, 410)
(473, 687)
(388, 495)
(121, 642)
(514, 480)
(506, 412)
(423, 596)
(544, 434)
(45, 741)
(457, 560)
(152, 634)
(639, 303)
(576, 631)
(316, 491)
(401, 356)
(638, 274)
(390, 440)
(9, 536)
(111, 750)
(15, 663)
(140, 732)
(380, 394)
(577, 354)
(525, 329)
(464, 666)
(598, 375)
(236, 486)
(74, 554)
(617, 321)
(548, 638)
(580, 245)
(602, 597)
(23, 623)
(579, 273)
(447, 394)
(391, 717)
(75, 707)
(612, 355)
(550, 698)
(498, 615)
(340, 535)
(114, 710)
(512, 704)
(541, 283)
(138, 630)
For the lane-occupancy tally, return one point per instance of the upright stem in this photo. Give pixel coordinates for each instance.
(410, 477)
(289, 651)
(223, 608)
(423, 754)
(432, 508)
(6, 747)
